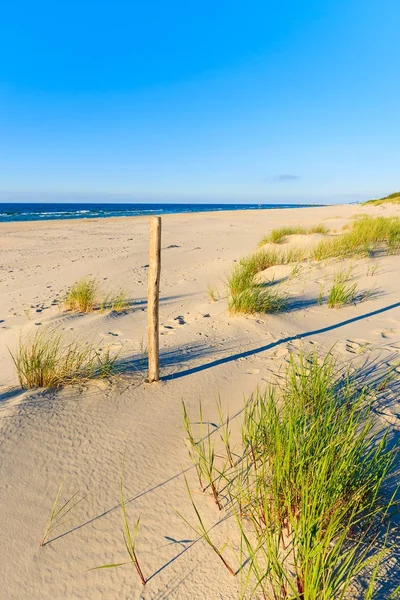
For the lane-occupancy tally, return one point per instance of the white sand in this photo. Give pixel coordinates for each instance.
(81, 435)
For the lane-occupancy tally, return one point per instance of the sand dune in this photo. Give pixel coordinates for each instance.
(81, 434)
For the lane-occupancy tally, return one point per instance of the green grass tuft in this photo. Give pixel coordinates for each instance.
(49, 359)
(342, 291)
(308, 491)
(85, 296)
(82, 296)
(257, 299)
(114, 302)
(247, 296)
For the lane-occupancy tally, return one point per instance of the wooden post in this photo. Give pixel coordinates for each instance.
(153, 293)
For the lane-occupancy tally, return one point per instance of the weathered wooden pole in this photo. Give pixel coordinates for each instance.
(153, 293)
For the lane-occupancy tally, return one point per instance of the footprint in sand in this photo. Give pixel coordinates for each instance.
(167, 330)
(388, 333)
(252, 371)
(281, 352)
(180, 320)
(115, 333)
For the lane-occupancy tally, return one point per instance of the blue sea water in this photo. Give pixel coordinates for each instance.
(11, 212)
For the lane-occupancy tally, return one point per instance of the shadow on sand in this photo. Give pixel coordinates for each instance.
(260, 349)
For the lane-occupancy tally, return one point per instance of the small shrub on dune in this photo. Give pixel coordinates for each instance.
(50, 359)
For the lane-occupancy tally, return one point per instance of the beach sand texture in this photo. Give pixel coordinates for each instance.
(81, 434)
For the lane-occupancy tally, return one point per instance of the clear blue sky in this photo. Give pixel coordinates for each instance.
(214, 100)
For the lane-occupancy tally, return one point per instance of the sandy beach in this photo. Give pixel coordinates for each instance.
(80, 434)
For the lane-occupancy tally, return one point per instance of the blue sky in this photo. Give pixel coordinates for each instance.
(210, 101)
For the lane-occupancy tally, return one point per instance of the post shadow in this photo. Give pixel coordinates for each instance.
(246, 353)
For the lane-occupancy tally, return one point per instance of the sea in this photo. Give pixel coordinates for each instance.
(15, 212)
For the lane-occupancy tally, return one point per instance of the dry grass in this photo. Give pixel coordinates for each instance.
(129, 536)
(213, 294)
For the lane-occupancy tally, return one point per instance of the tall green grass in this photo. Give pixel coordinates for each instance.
(49, 358)
(277, 236)
(308, 494)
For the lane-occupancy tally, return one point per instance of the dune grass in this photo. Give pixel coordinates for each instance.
(82, 296)
(50, 359)
(257, 299)
(245, 295)
(342, 290)
(212, 293)
(204, 457)
(366, 235)
(130, 536)
(309, 493)
(86, 296)
(391, 198)
(114, 302)
(277, 236)
(58, 514)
